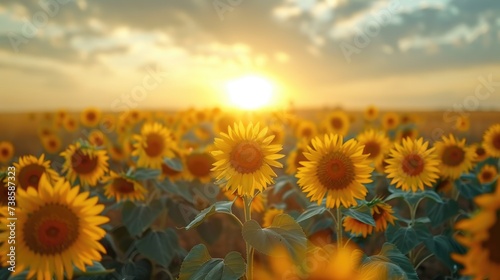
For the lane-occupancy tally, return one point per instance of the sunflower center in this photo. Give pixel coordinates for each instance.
(123, 186)
(29, 176)
(307, 132)
(335, 171)
(390, 121)
(4, 152)
(82, 163)
(299, 157)
(492, 243)
(496, 141)
(91, 116)
(453, 156)
(480, 151)
(487, 176)
(52, 144)
(154, 145)
(246, 157)
(51, 229)
(413, 164)
(372, 148)
(336, 123)
(199, 164)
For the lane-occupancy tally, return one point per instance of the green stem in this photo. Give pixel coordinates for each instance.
(339, 227)
(423, 260)
(247, 201)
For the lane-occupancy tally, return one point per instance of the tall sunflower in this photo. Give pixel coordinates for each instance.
(356, 227)
(390, 121)
(462, 124)
(336, 170)
(90, 117)
(30, 169)
(482, 231)
(153, 145)
(376, 144)
(85, 163)
(57, 228)
(455, 158)
(412, 165)
(244, 157)
(338, 122)
(52, 143)
(70, 124)
(491, 141)
(6, 151)
(121, 187)
(487, 174)
(198, 166)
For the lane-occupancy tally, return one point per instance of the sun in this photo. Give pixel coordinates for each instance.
(250, 92)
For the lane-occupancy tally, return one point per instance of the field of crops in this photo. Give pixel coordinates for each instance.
(216, 194)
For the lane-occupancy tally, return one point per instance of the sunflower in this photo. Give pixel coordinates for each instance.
(481, 154)
(6, 151)
(46, 130)
(29, 170)
(336, 170)
(108, 123)
(306, 130)
(382, 214)
(269, 216)
(455, 158)
(85, 163)
(153, 145)
(444, 186)
(356, 227)
(279, 133)
(223, 123)
(412, 165)
(257, 202)
(117, 152)
(487, 174)
(491, 141)
(90, 117)
(390, 121)
(121, 187)
(57, 228)
(170, 173)
(371, 113)
(97, 138)
(294, 159)
(338, 122)
(482, 231)
(198, 165)
(408, 132)
(244, 157)
(462, 124)
(51, 144)
(70, 124)
(376, 144)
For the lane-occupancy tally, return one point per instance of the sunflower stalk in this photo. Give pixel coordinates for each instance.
(339, 227)
(247, 201)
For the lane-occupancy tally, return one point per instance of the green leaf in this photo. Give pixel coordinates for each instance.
(218, 207)
(141, 174)
(311, 211)
(361, 213)
(121, 239)
(422, 220)
(199, 265)
(159, 246)
(397, 265)
(137, 218)
(284, 232)
(210, 230)
(469, 186)
(282, 181)
(405, 238)
(174, 188)
(413, 197)
(440, 212)
(174, 163)
(140, 269)
(442, 247)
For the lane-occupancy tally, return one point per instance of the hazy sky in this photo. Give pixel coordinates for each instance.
(116, 54)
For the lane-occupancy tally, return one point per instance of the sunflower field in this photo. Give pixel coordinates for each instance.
(215, 194)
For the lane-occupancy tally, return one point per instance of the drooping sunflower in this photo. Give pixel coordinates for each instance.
(412, 165)
(153, 145)
(244, 158)
(90, 117)
(462, 124)
(371, 113)
(121, 187)
(86, 163)
(51, 144)
(269, 216)
(336, 170)
(57, 228)
(487, 174)
(376, 144)
(455, 158)
(382, 214)
(30, 169)
(6, 151)
(170, 173)
(198, 166)
(491, 141)
(390, 120)
(338, 122)
(356, 227)
(70, 123)
(482, 261)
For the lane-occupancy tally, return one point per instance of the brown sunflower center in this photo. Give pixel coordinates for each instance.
(154, 145)
(407, 134)
(493, 243)
(496, 141)
(52, 143)
(486, 176)
(91, 116)
(336, 171)
(29, 175)
(299, 157)
(480, 151)
(122, 185)
(413, 164)
(83, 163)
(199, 164)
(307, 132)
(246, 157)
(97, 140)
(372, 148)
(5, 152)
(51, 229)
(336, 123)
(390, 121)
(453, 156)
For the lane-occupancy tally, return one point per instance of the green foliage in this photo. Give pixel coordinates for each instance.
(159, 246)
(137, 218)
(441, 212)
(361, 213)
(142, 174)
(218, 207)
(174, 163)
(397, 265)
(413, 197)
(199, 265)
(407, 238)
(442, 246)
(311, 211)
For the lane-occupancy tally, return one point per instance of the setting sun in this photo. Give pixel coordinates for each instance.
(250, 92)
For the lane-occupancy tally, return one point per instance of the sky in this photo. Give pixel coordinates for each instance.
(166, 54)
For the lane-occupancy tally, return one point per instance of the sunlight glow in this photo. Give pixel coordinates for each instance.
(250, 92)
